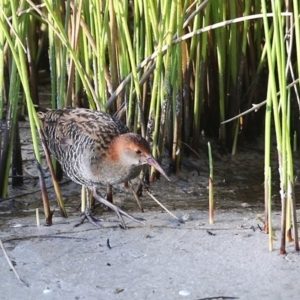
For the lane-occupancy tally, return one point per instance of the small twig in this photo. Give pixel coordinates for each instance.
(136, 196)
(108, 244)
(195, 152)
(10, 263)
(178, 219)
(210, 233)
(218, 297)
(256, 107)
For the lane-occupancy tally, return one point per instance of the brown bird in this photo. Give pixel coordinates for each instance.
(93, 147)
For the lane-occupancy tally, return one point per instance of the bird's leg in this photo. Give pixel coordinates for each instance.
(86, 209)
(139, 189)
(92, 199)
(109, 194)
(120, 213)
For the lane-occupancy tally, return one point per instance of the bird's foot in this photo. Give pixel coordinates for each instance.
(120, 213)
(87, 215)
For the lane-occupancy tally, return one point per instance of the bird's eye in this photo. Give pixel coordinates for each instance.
(138, 151)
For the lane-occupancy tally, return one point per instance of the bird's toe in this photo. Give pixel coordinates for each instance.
(87, 215)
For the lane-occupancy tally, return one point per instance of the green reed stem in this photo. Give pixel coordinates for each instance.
(55, 24)
(154, 107)
(267, 163)
(101, 28)
(11, 121)
(297, 30)
(195, 59)
(290, 168)
(17, 51)
(271, 102)
(173, 24)
(62, 66)
(2, 60)
(211, 187)
(126, 40)
(289, 171)
(268, 178)
(112, 40)
(233, 45)
(219, 12)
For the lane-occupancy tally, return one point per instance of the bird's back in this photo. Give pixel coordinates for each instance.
(79, 138)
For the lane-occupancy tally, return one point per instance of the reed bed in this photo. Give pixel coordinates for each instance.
(171, 70)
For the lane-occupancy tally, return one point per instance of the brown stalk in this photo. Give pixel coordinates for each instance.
(136, 197)
(47, 211)
(16, 162)
(53, 175)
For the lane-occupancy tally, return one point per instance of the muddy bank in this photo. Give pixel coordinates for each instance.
(161, 259)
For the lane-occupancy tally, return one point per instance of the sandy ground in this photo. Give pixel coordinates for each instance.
(161, 259)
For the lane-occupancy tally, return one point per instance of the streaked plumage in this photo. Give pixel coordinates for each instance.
(94, 147)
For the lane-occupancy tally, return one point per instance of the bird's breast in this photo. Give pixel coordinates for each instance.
(97, 167)
(115, 174)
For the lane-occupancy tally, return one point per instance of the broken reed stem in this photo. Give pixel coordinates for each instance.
(178, 219)
(37, 217)
(136, 197)
(9, 262)
(211, 187)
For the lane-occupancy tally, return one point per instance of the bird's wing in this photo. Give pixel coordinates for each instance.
(66, 127)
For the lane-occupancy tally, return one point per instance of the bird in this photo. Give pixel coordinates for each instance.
(96, 148)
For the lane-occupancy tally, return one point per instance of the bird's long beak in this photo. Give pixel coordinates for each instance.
(152, 162)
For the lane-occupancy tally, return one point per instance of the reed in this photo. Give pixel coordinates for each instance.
(281, 114)
(169, 69)
(211, 187)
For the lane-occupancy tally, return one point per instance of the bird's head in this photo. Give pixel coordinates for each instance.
(133, 150)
